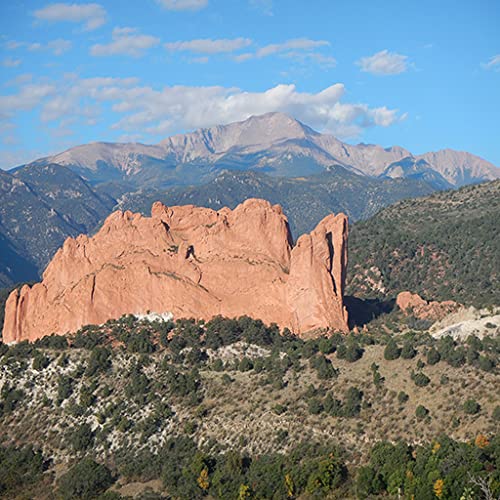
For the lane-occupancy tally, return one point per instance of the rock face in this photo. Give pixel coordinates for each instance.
(191, 262)
(412, 303)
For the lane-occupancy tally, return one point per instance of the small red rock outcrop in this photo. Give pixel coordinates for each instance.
(412, 303)
(192, 262)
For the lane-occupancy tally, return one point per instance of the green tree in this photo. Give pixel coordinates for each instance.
(82, 437)
(408, 351)
(433, 356)
(99, 361)
(471, 407)
(392, 350)
(421, 412)
(85, 480)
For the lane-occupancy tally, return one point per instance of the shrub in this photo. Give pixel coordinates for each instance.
(315, 407)
(392, 351)
(245, 365)
(486, 363)
(341, 351)
(403, 397)
(99, 361)
(352, 404)
(85, 480)
(329, 474)
(139, 342)
(421, 412)
(332, 406)
(496, 414)
(218, 365)
(64, 388)
(52, 342)
(323, 367)
(82, 437)
(456, 357)
(368, 483)
(40, 361)
(327, 345)
(408, 351)
(19, 467)
(354, 352)
(10, 398)
(279, 409)
(421, 379)
(471, 407)
(87, 338)
(433, 356)
(378, 380)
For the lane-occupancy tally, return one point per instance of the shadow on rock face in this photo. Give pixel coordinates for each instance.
(362, 311)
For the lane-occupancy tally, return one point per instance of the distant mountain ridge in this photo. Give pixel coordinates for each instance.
(274, 143)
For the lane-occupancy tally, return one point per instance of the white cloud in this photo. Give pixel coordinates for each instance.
(243, 57)
(209, 46)
(294, 44)
(91, 15)
(384, 63)
(299, 49)
(171, 109)
(9, 62)
(29, 96)
(59, 46)
(82, 97)
(493, 63)
(183, 4)
(126, 41)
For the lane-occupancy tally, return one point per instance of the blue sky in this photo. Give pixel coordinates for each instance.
(421, 74)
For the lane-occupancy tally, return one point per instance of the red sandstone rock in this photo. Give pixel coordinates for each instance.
(192, 262)
(420, 308)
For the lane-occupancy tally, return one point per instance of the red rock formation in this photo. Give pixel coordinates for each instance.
(412, 303)
(192, 262)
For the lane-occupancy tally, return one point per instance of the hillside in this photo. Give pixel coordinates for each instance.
(195, 410)
(41, 206)
(444, 247)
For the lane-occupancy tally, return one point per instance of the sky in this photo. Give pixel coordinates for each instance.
(420, 74)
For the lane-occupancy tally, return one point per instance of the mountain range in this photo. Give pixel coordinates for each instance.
(273, 143)
(272, 156)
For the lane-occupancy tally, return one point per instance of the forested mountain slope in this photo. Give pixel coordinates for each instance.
(445, 246)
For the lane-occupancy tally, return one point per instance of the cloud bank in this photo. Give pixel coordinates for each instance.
(161, 112)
